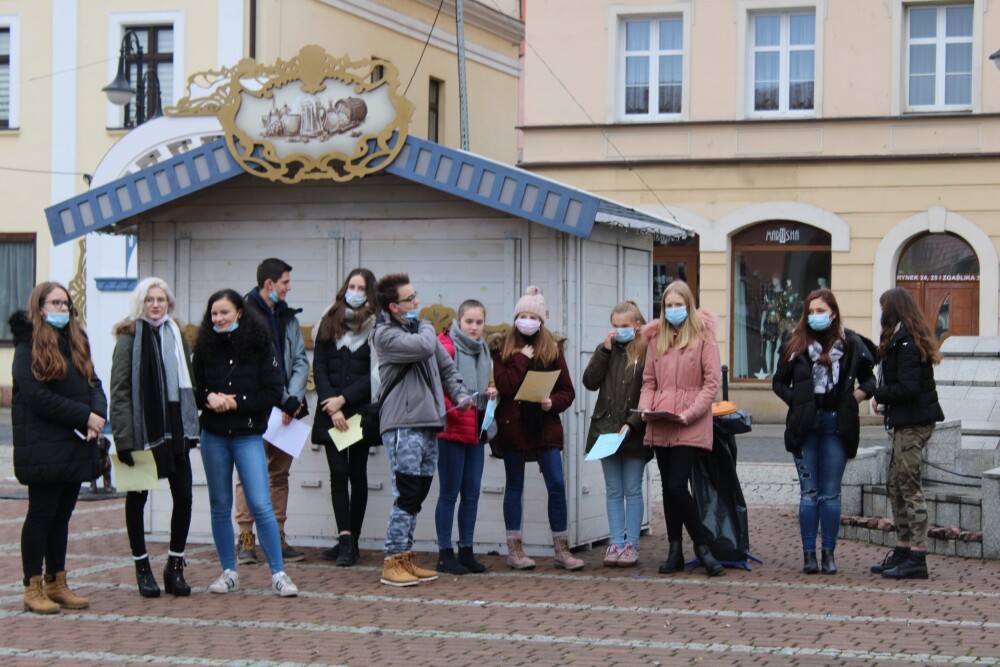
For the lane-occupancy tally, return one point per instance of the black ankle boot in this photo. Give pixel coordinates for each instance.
(891, 560)
(809, 564)
(712, 567)
(144, 577)
(173, 577)
(829, 566)
(468, 559)
(675, 559)
(345, 557)
(914, 567)
(448, 564)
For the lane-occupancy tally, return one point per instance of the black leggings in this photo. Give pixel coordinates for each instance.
(46, 527)
(180, 519)
(679, 508)
(349, 466)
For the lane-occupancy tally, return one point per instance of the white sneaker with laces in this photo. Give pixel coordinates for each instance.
(228, 582)
(283, 586)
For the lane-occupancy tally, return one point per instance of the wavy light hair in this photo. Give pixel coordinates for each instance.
(690, 331)
(47, 360)
(137, 302)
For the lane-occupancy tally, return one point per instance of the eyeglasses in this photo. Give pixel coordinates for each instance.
(156, 299)
(59, 303)
(409, 299)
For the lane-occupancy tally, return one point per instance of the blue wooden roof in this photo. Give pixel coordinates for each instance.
(472, 177)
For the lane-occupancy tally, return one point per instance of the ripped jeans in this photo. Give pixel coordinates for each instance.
(820, 466)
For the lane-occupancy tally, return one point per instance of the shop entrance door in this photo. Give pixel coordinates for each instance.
(952, 308)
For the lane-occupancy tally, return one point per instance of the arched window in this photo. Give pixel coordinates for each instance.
(941, 271)
(776, 264)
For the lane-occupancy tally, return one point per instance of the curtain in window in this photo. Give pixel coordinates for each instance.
(5, 77)
(17, 273)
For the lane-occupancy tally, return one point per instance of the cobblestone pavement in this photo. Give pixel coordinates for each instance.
(771, 615)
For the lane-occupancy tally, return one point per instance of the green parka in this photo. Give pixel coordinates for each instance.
(618, 385)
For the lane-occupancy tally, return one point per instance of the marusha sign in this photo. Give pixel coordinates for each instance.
(313, 117)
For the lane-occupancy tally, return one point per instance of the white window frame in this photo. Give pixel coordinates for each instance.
(746, 10)
(12, 22)
(900, 56)
(118, 23)
(940, 42)
(784, 50)
(616, 18)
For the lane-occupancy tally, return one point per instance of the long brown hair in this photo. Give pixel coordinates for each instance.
(47, 360)
(635, 353)
(802, 335)
(333, 325)
(689, 331)
(899, 306)
(546, 348)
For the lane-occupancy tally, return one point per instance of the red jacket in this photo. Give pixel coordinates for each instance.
(460, 425)
(511, 431)
(684, 382)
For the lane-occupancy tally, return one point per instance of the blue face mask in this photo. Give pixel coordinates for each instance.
(819, 321)
(676, 316)
(355, 299)
(412, 315)
(624, 335)
(273, 296)
(234, 327)
(58, 320)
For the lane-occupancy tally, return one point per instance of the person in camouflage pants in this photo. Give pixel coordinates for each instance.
(906, 494)
(413, 454)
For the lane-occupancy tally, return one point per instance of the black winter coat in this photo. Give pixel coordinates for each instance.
(256, 380)
(340, 373)
(793, 383)
(907, 390)
(44, 414)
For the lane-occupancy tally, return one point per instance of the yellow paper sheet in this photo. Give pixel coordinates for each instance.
(344, 439)
(140, 477)
(537, 386)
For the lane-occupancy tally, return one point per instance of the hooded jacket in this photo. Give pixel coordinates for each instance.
(908, 390)
(291, 347)
(619, 385)
(44, 415)
(340, 372)
(685, 382)
(793, 383)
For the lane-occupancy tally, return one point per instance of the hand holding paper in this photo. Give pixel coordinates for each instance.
(289, 438)
(344, 439)
(138, 477)
(650, 415)
(537, 386)
(606, 445)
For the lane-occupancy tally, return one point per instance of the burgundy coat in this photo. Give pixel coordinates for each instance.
(508, 378)
(460, 425)
(684, 382)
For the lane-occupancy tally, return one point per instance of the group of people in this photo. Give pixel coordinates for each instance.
(431, 394)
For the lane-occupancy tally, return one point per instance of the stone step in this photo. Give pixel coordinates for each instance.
(947, 505)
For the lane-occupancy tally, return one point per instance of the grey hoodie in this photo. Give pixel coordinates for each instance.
(417, 401)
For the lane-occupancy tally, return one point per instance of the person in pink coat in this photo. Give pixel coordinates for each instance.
(681, 376)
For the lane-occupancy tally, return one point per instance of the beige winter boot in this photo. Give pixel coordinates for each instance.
(564, 558)
(395, 573)
(55, 589)
(35, 599)
(515, 552)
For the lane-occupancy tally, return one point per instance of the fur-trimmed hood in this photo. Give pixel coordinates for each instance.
(127, 327)
(20, 326)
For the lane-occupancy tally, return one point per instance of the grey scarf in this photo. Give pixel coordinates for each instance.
(473, 361)
(176, 384)
(825, 378)
(355, 337)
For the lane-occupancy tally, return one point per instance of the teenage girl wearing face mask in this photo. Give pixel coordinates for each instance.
(57, 404)
(682, 376)
(342, 371)
(824, 372)
(531, 431)
(615, 372)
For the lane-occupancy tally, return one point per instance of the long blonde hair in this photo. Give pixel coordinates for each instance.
(690, 330)
(635, 353)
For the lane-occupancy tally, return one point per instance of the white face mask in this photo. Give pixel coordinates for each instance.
(355, 299)
(528, 327)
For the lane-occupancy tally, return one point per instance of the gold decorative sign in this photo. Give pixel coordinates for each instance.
(313, 117)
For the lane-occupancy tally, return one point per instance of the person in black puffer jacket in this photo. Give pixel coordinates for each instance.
(907, 397)
(824, 372)
(58, 410)
(238, 382)
(342, 371)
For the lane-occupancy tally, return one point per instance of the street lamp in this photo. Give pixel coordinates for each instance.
(996, 58)
(120, 90)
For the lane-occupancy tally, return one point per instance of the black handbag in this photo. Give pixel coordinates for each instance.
(371, 413)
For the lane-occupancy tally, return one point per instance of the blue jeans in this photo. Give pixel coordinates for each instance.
(623, 482)
(550, 463)
(460, 470)
(821, 468)
(218, 454)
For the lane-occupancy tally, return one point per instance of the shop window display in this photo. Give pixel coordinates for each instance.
(776, 264)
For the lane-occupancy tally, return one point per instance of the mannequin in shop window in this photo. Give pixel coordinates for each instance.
(780, 311)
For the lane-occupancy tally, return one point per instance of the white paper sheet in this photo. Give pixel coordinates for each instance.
(606, 445)
(290, 438)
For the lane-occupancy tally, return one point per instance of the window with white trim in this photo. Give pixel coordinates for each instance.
(652, 64)
(782, 63)
(17, 277)
(939, 57)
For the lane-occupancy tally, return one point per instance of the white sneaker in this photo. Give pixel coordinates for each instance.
(228, 582)
(283, 586)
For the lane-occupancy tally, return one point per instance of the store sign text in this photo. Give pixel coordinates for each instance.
(781, 235)
(938, 278)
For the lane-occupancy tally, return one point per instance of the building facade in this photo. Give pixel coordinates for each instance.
(850, 144)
